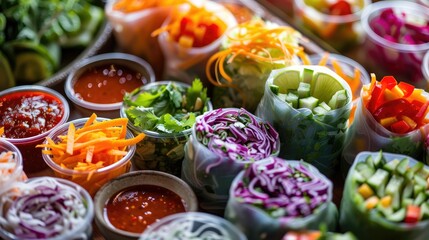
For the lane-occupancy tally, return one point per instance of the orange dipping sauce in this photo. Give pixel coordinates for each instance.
(107, 84)
(135, 208)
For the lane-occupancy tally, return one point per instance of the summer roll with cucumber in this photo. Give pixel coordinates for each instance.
(250, 51)
(273, 196)
(223, 141)
(385, 197)
(391, 116)
(309, 106)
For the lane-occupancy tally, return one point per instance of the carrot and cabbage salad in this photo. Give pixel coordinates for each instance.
(96, 145)
(194, 27)
(8, 167)
(128, 6)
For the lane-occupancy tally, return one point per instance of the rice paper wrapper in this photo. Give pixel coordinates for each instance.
(258, 225)
(133, 31)
(185, 64)
(371, 226)
(317, 139)
(366, 134)
(209, 174)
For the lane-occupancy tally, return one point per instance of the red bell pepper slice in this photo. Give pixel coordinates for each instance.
(341, 7)
(377, 98)
(406, 88)
(413, 214)
(389, 82)
(395, 108)
(400, 127)
(421, 113)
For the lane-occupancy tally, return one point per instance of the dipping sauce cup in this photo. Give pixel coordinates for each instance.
(28, 115)
(397, 37)
(118, 211)
(99, 83)
(10, 165)
(335, 22)
(93, 176)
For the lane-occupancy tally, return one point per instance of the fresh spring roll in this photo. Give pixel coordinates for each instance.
(222, 143)
(249, 53)
(309, 106)
(390, 116)
(385, 197)
(273, 196)
(190, 35)
(133, 22)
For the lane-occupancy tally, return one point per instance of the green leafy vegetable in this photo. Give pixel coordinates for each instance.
(167, 108)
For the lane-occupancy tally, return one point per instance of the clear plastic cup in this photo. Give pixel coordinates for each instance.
(342, 32)
(192, 225)
(80, 230)
(17, 173)
(159, 151)
(136, 178)
(32, 156)
(90, 180)
(386, 57)
(425, 66)
(109, 110)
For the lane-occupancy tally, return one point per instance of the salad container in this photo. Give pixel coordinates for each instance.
(274, 196)
(222, 143)
(163, 148)
(186, 50)
(192, 225)
(397, 50)
(335, 22)
(29, 114)
(384, 197)
(309, 106)
(10, 165)
(104, 165)
(99, 83)
(378, 124)
(46, 208)
(248, 54)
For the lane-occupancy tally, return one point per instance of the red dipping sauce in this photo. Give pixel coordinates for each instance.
(107, 83)
(135, 208)
(28, 114)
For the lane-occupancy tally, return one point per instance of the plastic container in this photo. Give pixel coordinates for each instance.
(342, 32)
(159, 151)
(17, 174)
(90, 180)
(32, 157)
(136, 178)
(192, 225)
(81, 230)
(401, 60)
(142, 71)
(425, 66)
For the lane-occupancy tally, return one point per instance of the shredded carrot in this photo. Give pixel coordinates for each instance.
(324, 60)
(91, 147)
(1, 131)
(128, 6)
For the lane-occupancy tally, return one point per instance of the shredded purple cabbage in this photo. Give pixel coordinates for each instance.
(236, 134)
(281, 189)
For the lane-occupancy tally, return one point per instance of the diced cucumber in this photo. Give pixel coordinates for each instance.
(365, 170)
(308, 102)
(379, 160)
(391, 166)
(339, 99)
(396, 200)
(325, 106)
(417, 167)
(370, 161)
(378, 181)
(395, 185)
(402, 166)
(420, 181)
(304, 90)
(417, 189)
(408, 190)
(398, 216)
(282, 96)
(307, 75)
(424, 213)
(421, 197)
(292, 99)
(275, 89)
(359, 178)
(424, 173)
(386, 211)
(407, 201)
(319, 110)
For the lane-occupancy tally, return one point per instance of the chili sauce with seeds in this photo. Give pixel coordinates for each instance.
(27, 114)
(107, 83)
(135, 208)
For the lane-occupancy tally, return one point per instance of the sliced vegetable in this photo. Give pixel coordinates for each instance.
(128, 6)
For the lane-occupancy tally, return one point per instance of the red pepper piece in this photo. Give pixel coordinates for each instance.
(395, 108)
(400, 127)
(413, 214)
(421, 113)
(213, 32)
(389, 82)
(341, 7)
(406, 88)
(377, 98)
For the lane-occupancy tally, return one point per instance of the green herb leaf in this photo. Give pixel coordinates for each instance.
(142, 117)
(196, 91)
